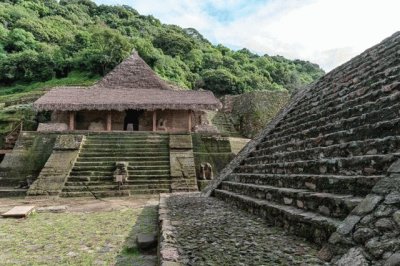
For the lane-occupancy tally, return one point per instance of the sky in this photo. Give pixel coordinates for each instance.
(326, 32)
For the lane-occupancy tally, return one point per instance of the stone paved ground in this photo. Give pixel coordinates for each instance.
(89, 232)
(211, 232)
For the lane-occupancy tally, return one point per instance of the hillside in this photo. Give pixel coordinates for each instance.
(44, 43)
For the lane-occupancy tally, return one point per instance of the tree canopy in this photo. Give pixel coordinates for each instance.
(45, 39)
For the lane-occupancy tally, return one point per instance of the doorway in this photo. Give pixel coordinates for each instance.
(132, 117)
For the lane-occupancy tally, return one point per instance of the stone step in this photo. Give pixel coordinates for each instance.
(123, 158)
(329, 125)
(356, 185)
(356, 165)
(121, 153)
(10, 192)
(327, 204)
(148, 172)
(111, 148)
(337, 138)
(111, 167)
(310, 225)
(354, 107)
(110, 178)
(90, 173)
(136, 164)
(114, 186)
(326, 96)
(113, 193)
(128, 182)
(363, 102)
(348, 149)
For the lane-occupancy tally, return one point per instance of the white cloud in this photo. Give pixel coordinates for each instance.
(328, 32)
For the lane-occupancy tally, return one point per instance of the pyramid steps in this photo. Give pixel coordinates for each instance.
(147, 155)
(327, 150)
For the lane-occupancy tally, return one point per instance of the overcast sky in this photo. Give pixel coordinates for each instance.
(327, 32)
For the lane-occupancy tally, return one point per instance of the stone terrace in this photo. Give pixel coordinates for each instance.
(208, 231)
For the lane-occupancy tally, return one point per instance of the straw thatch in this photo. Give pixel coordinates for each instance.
(131, 85)
(76, 99)
(133, 73)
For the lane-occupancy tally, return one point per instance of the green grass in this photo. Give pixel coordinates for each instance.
(99, 238)
(73, 79)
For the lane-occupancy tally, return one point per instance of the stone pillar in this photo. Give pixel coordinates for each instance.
(71, 120)
(109, 121)
(190, 121)
(154, 120)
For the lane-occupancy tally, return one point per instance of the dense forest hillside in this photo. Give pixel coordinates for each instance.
(43, 40)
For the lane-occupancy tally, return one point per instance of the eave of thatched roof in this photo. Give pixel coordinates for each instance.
(120, 99)
(133, 73)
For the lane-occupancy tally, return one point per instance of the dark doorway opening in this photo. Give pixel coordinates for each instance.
(132, 117)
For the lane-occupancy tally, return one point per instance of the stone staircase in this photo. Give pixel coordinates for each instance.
(327, 153)
(224, 124)
(146, 153)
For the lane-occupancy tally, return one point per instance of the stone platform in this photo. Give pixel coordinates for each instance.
(207, 231)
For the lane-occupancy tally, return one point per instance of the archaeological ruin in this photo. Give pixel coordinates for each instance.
(327, 167)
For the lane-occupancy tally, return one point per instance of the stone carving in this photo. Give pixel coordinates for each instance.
(121, 173)
(206, 171)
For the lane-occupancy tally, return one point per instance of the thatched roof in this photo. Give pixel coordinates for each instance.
(131, 85)
(76, 99)
(133, 73)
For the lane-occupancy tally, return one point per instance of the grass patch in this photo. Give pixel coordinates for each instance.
(100, 238)
(73, 79)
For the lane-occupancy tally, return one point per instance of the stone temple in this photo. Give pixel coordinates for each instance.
(327, 168)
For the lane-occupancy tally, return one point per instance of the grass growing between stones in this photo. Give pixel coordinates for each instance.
(96, 238)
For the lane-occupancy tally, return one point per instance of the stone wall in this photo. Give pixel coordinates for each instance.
(251, 111)
(370, 235)
(27, 159)
(183, 175)
(53, 176)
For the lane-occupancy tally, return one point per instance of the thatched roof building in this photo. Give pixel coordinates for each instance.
(131, 85)
(130, 96)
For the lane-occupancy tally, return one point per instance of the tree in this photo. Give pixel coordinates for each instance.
(19, 40)
(221, 81)
(107, 48)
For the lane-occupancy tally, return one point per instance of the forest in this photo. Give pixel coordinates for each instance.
(49, 40)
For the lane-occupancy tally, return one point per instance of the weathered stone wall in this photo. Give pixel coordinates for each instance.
(370, 235)
(251, 111)
(27, 158)
(325, 152)
(53, 176)
(211, 149)
(183, 175)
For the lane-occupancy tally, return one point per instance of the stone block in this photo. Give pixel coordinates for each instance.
(354, 257)
(367, 205)
(146, 241)
(180, 142)
(393, 198)
(395, 167)
(393, 260)
(361, 235)
(348, 224)
(68, 142)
